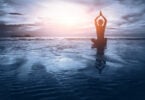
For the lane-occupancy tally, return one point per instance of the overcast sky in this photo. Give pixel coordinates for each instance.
(124, 16)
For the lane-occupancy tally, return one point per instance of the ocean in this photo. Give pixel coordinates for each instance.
(70, 69)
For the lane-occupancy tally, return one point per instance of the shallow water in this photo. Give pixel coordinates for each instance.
(61, 69)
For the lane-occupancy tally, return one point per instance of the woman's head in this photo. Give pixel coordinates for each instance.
(100, 22)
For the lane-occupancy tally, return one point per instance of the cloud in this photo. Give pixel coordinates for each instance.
(15, 13)
(132, 2)
(93, 4)
(133, 17)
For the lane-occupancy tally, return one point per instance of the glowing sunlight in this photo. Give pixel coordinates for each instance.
(65, 16)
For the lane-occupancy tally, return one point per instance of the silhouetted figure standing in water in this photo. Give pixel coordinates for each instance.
(100, 24)
(100, 42)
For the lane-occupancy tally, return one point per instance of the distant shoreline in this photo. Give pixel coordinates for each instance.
(69, 38)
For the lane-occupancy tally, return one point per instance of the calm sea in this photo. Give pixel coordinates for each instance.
(69, 69)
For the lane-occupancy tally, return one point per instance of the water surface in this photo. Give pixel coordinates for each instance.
(61, 69)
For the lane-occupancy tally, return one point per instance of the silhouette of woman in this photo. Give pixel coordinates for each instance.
(100, 24)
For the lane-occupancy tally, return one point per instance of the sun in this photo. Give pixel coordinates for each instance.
(64, 14)
(67, 18)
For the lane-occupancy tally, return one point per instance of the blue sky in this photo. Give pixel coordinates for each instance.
(124, 16)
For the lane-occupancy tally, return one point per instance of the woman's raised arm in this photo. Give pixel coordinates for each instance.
(97, 18)
(104, 19)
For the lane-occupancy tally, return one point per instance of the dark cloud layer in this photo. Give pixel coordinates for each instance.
(15, 13)
(133, 17)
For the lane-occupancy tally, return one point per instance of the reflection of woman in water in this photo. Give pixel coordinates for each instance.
(100, 23)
